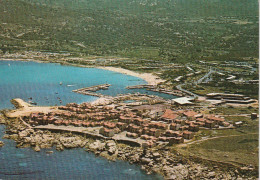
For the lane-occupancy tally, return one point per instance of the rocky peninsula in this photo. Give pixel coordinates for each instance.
(162, 158)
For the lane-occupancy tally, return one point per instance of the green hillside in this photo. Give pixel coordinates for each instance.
(173, 30)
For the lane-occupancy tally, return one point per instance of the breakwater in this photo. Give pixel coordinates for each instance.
(157, 89)
(91, 91)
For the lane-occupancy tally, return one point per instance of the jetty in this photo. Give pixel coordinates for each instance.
(24, 109)
(91, 91)
(141, 86)
(156, 89)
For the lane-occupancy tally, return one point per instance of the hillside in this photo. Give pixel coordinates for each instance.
(176, 31)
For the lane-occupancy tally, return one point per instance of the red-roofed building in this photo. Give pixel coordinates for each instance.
(109, 125)
(107, 132)
(209, 124)
(163, 138)
(217, 120)
(169, 116)
(193, 128)
(121, 126)
(201, 120)
(190, 114)
(188, 135)
(124, 119)
(183, 128)
(178, 121)
(138, 121)
(154, 132)
(85, 124)
(176, 140)
(170, 133)
(175, 126)
(132, 135)
(58, 122)
(148, 144)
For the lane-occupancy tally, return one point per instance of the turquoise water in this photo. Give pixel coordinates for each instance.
(41, 82)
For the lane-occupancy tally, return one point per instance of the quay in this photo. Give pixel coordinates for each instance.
(91, 91)
(141, 86)
(156, 89)
(120, 138)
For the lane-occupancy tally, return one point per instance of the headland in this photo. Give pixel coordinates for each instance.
(163, 136)
(149, 132)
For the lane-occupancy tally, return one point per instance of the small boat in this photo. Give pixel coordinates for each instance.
(49, 152)
(33, 103)
(60, 83)
(69, 85)
(9, 65)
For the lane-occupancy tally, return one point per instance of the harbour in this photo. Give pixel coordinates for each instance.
(91, 91)
(155, 88)
(25, 163)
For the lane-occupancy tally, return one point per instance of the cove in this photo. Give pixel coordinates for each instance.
(41, 82)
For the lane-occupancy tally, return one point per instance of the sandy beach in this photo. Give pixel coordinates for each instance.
(148, 77)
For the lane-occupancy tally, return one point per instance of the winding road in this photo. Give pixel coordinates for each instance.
(179, 87)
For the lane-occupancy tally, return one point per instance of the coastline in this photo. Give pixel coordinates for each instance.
(150, 78)
(149, 160)
(156, 160)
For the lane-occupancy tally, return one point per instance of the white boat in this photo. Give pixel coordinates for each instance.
(60, 83)
(69, 85)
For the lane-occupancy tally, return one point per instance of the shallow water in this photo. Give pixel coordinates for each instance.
(41, 82)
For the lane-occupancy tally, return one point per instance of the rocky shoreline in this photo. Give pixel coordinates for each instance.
(162, 159)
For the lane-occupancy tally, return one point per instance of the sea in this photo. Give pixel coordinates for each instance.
(49, 84)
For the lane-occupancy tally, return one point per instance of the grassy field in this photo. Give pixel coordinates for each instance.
(237, 146)
(203, 90)
(237, 149)
(231, 110)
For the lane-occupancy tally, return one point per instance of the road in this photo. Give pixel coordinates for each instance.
(179, 87)
(205, 76)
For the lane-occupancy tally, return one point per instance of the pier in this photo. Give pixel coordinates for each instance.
(156, 89)
(91, 91)
(141, 86)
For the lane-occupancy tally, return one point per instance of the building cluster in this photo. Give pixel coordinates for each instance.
(172, 126)
(35, 55)
(230, 98)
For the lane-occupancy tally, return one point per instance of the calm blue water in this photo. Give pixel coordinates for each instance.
(41, 82)
(70, 164)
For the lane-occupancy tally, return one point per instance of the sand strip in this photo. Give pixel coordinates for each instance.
(148, 77)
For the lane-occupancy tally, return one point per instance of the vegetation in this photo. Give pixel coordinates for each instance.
(153, 35)
(237, 146)
(219, 83)
(239, 150)
(173, 31)
(234, 111)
